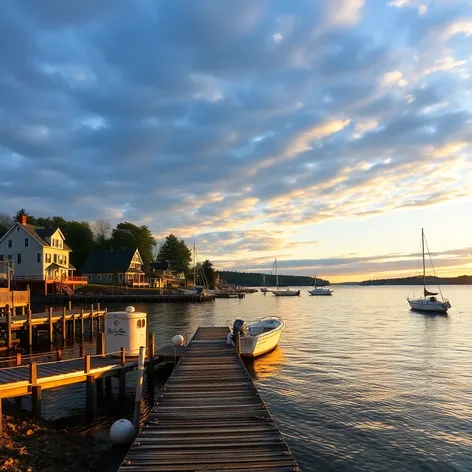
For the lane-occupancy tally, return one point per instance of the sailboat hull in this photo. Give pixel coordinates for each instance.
(286, 293)
(320, 292)
(425, 304)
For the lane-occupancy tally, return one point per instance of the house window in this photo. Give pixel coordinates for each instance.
(120, 275)
(18, 258)
(60, 243)
(89, 276)
(26, 242)
(38, 257)
(2, 257)
(55, 258)
(109, 276)
(10, 257)
(65, 260)
(99, 276)
(10, 243)
(48, 258)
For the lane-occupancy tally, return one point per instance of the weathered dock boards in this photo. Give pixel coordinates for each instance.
(209, 417)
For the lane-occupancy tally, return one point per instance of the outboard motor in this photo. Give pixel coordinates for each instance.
(238, 326)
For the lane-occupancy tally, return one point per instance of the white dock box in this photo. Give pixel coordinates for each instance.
(125, 329)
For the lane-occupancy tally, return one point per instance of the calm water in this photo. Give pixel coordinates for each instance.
(359, 382)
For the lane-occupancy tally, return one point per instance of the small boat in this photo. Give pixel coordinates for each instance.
(320, 290)
(286, 292)
(429, 302)
(256, 338)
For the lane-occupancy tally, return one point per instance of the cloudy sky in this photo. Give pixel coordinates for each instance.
(325, 133)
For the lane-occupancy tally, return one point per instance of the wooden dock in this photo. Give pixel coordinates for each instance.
(209, 417)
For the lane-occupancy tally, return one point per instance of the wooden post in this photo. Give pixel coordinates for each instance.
(59, 355)
(64, 333)
(151, 344)
(36, 397)
(30, 329)
(33, 373)
(87, 364)
(100, 346)
(18, 358)
(9, 340)
(81, 325)
(139, 388)
(22, 310)
(123, 356)
(70, 305)
(122, 386)
(91, 321)
(89, 396)
(108, 386)
(82, 350)
(73, 329)
(50, 325)
(98, 306)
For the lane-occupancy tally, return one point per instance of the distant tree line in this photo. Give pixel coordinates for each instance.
(254, 279)
(83, 237)
(418, 280)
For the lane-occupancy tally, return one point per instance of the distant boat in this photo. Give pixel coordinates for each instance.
(287, 292)
(320, 290)
(257, 338)
(264, 288)
(429, 302)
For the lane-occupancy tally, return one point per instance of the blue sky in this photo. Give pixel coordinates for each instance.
(323, 133)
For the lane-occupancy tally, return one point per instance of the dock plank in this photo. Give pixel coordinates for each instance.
(208, 413)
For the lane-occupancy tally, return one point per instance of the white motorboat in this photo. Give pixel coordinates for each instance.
(429, 302)
(285, 292)
(320, 290)
(256, 338)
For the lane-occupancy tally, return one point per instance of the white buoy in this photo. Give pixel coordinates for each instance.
(122, 431)
(177, 340)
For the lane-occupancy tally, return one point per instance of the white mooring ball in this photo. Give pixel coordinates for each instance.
(130, 309)
(122, 431)
(177, 340)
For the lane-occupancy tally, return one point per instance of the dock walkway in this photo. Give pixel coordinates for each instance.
(209, 417)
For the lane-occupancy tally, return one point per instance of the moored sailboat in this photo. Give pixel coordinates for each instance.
(429, 302)
(317, 291)
(286, 292)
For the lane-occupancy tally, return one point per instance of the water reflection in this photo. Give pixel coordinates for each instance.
(266, 366)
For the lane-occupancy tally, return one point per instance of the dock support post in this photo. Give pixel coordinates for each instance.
(50, 327)
(9, 340)
(122, 386)
(30, 329)
(36, 397)
(91, 321)
(82, 350)
(73, 330)
(64, 333)
(82, 325)
(108, 386)
(139, 388)
(151, 344)
(89, 396)
(70, 305)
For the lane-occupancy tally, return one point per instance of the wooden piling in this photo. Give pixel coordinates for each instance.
(18, 358)
(89, 384)
(123, 356)
(70, 305)
(30, 329)
(151, 346)
(50, 326)
(82, 325)
(91, 321)
(72, 337)
(82, 350)
(8, 333)
(33, 373)
(87, 364)
(64, 332)
(59, 355)
(36, 397)
(108, 386)
(139, 388)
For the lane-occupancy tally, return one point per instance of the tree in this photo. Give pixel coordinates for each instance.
(176, 253)
(5, 222)
(210, 273)
(127, 235)
(102, 232)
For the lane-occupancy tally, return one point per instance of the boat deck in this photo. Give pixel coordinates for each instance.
(209, 417)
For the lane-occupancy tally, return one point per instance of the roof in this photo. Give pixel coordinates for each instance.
(40, 234)
(108, 260)
(160, 265)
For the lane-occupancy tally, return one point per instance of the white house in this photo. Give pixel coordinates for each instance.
(37, 254)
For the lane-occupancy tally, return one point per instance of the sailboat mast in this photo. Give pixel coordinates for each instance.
(315, 280)
(194, 268)
(422, 248)
(276, 274)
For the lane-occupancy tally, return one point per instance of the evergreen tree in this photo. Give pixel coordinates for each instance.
(176, 253)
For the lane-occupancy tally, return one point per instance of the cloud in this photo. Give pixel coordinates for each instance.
(394, 78)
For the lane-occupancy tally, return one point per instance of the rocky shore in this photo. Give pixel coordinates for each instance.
(29, 446)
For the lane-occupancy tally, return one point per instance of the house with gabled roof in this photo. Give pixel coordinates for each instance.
(39, 257)
(115, 267)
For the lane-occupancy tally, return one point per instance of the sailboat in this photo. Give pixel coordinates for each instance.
(286, 292)
(264, 288)
(198, 289)
(320, 290)
(429, 302)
